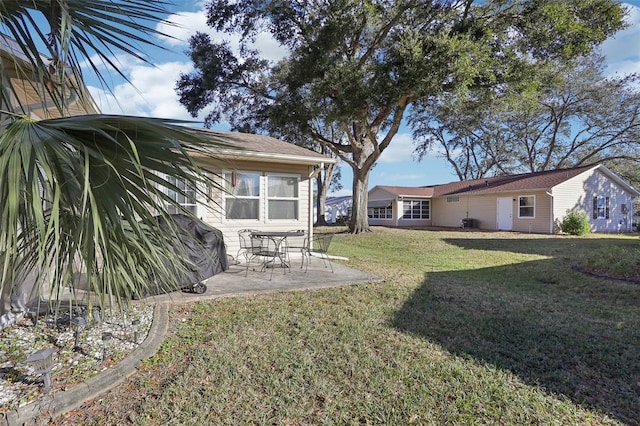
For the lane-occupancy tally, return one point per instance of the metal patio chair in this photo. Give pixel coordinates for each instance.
(321, 244)
(246, 247)
(299, 243)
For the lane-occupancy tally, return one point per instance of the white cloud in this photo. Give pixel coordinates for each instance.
(185, 25)
(151, 92)
(623, 50)
(400, 149)
(188, 23)
(400, 177)
(403, 148)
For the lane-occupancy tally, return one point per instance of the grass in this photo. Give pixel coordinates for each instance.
(467, 328)
(615, 261)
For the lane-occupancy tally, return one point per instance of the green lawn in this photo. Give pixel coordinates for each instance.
(467, 328)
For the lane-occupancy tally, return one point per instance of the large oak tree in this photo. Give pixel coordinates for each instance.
(573, 116)
(355, 68)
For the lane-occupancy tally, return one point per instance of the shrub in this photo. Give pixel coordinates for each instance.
(575, 223)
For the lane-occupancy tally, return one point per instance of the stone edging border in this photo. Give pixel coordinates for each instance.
(64, 401)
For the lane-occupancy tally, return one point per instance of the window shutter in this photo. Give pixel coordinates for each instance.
(606, 206)
(595, 206)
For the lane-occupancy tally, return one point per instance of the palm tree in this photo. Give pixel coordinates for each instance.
(79, 193)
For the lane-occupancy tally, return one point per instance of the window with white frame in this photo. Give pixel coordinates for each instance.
(282, 197)
(183, 194)
(380, 212)
(242, 195)
(416, 209)
(527, 206)
(600, 207)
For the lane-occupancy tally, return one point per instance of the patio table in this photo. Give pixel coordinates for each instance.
(275, 248)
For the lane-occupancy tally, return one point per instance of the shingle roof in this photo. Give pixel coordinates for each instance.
(262, 146)
(411, 191)
(520, 182)
(526, 181)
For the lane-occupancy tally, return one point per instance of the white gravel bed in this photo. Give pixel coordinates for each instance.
(19, 381)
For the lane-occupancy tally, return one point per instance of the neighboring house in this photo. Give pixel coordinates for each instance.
(268, 185)
(531, 202)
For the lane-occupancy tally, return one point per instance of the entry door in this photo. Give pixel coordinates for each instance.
(505, 214)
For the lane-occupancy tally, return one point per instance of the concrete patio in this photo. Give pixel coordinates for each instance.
(234, 283)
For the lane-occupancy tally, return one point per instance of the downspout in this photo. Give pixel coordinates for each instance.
(630, 227)
(310, 216)
(551, 226)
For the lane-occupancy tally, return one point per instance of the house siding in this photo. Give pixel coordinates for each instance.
(570, 195)
(212, 214)
(541, 223)
(383, 222)
(449, 214)
(578, 193)
(484, 209)
(481, 208)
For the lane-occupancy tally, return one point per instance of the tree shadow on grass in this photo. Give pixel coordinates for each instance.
(572, 335)
(556, 246)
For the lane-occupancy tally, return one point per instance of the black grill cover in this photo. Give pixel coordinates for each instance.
(205, 248)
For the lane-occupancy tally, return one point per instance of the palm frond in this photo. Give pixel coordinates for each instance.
(56, 38)
(82, 194)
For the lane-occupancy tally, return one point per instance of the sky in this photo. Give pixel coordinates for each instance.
(152, 92)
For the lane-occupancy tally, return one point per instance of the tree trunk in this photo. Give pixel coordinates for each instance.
(359, 217)
(323, 182)
(321, 200)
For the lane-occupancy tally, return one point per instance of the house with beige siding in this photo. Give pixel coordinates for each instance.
(268, 182)
(530, 202)
(262, 183)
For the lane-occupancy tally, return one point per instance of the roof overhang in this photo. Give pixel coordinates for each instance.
(625, 185)
(265, 157)
(379, 203)
(414, 196)
(507, 191)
